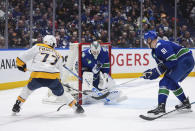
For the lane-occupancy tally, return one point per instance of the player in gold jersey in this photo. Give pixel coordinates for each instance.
(46, 71)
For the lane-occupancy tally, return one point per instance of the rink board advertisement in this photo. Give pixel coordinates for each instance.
(126, 63)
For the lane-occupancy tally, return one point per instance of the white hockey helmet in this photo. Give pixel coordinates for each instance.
(95, 49)
(50, 40)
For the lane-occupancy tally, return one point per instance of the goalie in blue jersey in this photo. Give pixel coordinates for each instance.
(96, 68)
(176, 62)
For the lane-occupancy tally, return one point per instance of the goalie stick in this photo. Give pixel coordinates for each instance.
(154, 118)
(85, 92)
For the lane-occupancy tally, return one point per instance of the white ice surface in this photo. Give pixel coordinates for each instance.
(142, 96)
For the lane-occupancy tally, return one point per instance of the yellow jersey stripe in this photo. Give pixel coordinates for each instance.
(45, 75)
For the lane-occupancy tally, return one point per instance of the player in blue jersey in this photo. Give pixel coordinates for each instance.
(95, 62)
(176, 62)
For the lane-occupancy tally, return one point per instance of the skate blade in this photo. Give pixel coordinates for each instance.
(185, 110)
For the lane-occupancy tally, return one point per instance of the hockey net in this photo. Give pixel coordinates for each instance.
(74, 64)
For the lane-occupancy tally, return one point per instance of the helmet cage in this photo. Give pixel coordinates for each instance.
(95, 49)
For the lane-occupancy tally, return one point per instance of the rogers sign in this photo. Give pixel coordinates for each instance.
(131, 60)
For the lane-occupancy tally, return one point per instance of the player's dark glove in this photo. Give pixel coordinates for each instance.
(151, 74)
(97, 67)
(155, 72)
(22, 68)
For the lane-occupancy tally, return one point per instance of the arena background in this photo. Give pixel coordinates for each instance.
(122, 23)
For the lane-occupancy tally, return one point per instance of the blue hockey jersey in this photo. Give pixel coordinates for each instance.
(169, 53)
(88, 61)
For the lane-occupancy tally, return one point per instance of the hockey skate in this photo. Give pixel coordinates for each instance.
(159, 110)
(16, 107)
(184, 106)
(79, 108)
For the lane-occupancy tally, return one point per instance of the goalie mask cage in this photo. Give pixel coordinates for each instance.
(74, 63)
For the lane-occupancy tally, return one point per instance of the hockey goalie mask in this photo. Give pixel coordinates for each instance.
(50, 40)
(95, 49)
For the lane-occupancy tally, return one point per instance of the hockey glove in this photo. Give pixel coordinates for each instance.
(151, 74)
(97, 68)
(22, 68)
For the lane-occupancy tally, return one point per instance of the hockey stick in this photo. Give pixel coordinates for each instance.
(129, 81)
(61, 106)
(85, 92)
(154, 118)
(93, 88)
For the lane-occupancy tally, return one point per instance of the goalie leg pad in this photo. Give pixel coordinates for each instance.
(105, 82)
(87, 99)
(114, 94)
(89, 77)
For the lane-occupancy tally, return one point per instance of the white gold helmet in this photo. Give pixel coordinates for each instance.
(95, 49)
(50, 40)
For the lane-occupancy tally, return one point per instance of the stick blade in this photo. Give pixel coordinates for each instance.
(101, 97)
(147, 117)
(61, 107)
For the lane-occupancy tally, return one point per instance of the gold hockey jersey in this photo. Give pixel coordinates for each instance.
(46, 61)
